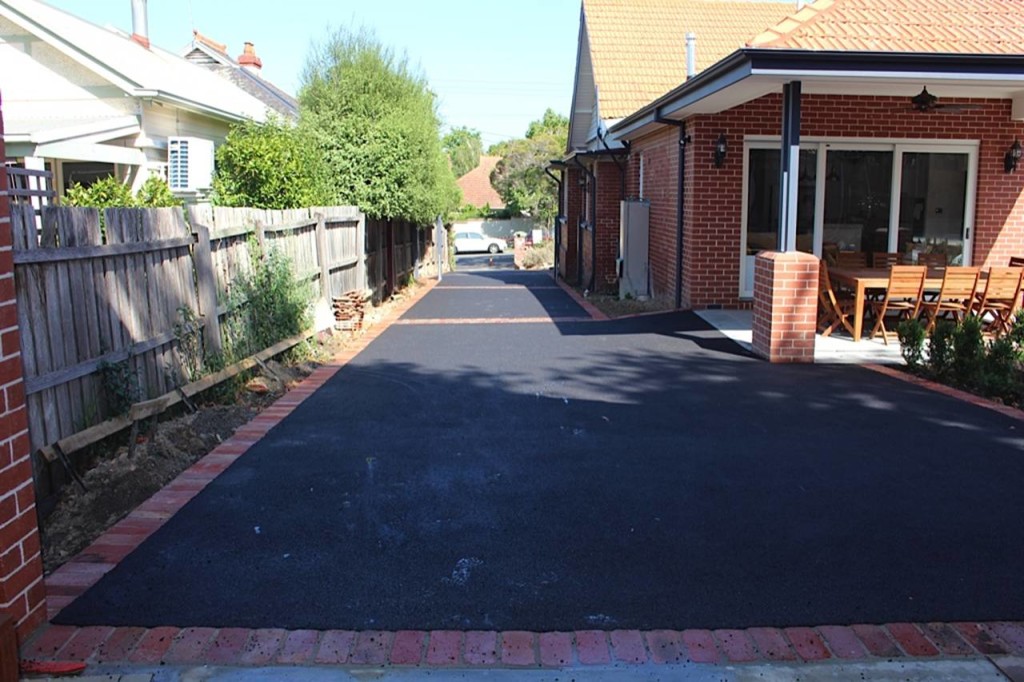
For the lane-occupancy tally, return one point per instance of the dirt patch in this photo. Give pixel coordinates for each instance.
(612, 306)
(119, 481)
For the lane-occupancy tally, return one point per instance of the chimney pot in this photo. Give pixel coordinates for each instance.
(691, 55)
(248, 59)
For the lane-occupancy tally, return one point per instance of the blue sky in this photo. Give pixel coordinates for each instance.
(495, 66)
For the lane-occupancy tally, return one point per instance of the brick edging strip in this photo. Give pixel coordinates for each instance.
(949, 391)
(84, 569)
(519, 649)
(591, 309)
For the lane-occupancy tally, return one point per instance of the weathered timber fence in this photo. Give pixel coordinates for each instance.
(94, 300)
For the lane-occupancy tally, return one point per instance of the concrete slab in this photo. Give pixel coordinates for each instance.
(834, 349)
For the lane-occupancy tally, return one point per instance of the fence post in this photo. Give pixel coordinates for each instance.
(322, 257)
(361, 250)
(207, 282)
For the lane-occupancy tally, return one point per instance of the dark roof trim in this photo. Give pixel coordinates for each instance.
(596, 153)
(804, 63)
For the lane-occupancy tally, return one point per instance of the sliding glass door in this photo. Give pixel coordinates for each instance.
(913, 198)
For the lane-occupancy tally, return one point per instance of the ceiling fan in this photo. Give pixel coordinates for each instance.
(926, 101)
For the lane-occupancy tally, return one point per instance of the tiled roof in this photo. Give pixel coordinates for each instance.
(476, 185)
(638, 47)
(952, 26)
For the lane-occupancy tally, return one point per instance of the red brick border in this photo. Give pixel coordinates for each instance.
(975, 400)
(591, 309)
(441, 648)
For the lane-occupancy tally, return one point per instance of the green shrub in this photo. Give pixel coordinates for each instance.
(940, 351)
(912, 335)
(968, 352)
(1000, 373)
(108, 192)
(154, 193)
(271, 304)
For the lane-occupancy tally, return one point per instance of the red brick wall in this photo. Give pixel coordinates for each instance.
(570, 231)
(661, 164)
(22, 593)
(713, 212)
(609, 194)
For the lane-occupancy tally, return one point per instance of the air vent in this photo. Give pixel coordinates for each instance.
(189, 164)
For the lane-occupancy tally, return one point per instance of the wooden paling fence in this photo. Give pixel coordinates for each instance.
(96, 298)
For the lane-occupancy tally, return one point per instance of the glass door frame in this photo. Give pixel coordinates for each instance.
(897, 147)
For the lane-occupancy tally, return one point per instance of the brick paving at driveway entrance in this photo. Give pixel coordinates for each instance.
(450, 648)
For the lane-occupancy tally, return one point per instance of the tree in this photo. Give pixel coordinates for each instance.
(520, 178)
(375, 121)
(463, 147)
(271, 165)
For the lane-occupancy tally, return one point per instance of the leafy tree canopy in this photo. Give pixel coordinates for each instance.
(375, 121)
(463, 147)
(271, 165)
(520, 178)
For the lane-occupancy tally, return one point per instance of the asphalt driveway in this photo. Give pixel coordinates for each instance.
(571, 474)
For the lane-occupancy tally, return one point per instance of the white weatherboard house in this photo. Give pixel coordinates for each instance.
(85, 101)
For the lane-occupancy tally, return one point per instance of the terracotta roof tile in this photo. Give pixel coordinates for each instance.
(950, 26)
(476, 185)
(638, 47)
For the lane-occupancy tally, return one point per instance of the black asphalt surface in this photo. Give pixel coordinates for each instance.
(643, 473)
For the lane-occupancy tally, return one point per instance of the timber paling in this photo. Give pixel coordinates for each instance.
(105, 299)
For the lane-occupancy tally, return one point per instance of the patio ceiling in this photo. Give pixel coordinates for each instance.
(751, 73)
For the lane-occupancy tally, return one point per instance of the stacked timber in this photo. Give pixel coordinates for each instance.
(350, 309)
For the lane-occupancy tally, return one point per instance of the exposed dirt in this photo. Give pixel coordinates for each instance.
(612, 306)
(117, 483)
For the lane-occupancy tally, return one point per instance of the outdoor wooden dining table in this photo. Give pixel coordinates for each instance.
(859, 280)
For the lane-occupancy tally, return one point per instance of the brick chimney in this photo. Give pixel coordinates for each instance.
(140, 23)
(249, 61)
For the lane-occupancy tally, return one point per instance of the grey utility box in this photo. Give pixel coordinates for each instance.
(634, 264)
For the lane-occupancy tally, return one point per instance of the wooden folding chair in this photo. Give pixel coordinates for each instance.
(851, 259)
(956, 297)
(902, 296)
(834, 308)
(1000, 299)
(881, 259)
(932, 260)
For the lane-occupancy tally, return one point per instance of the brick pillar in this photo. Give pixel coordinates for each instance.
(22, 592)
(785, 306)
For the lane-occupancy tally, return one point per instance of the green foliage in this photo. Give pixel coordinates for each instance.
(108, 192)
(375, 121)
(189, 336)
(912, 335)
(540, 256)
(271, 165)
(154, 193)
(520, 178)
(269, 305)
(463, 147)
(940, 351)
(968, 352)
(120, 385)
(958, 355)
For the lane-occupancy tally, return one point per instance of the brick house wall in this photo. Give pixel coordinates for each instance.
(22, 592)
(606, 234)
(568, 240)
(713, 212)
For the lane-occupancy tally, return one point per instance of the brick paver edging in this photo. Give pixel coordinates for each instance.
(978, 401)
(239, 646)
(511, 649)
(591, 309)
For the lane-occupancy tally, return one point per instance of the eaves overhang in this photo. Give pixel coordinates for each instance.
(750, 73)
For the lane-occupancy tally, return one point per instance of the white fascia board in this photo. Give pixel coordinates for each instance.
(83, 151)
(94, 131)
(199, 108)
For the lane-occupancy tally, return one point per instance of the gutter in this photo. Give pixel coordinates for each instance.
(684, 139)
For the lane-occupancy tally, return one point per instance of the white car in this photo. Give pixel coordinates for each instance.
(475, 242)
